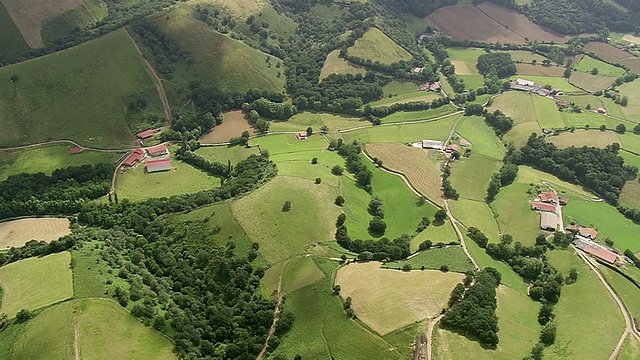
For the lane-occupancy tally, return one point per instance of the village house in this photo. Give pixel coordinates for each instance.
(595, 249)
(451, 148)
(302, 135)
(549, 197)
(464, 142)
(586, 232)
(134, 157)
(537, 205)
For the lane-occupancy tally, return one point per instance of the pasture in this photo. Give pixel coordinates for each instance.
(473, 81)
(607, 220)
(222, 154)
(580, 138)
(35, 282)
(451, 256)
(613, 55)
(386, 299)
(470, 176)
(334, 64)
(587, 63)
(321, 325)
(234, 123)
(300, 272)
(514, 215)
(516, 104)
(612, 108)
(91, 273)
(590, 82)
(521, 132)
(11, 41)
(478, 214)
(436, 233)
(418, 165)
(403, 92)
(590, 118)
(136, 184)
(336, 121)
(17, 232)
(282, 234)
(239, 9)
(33, 108)
(529, 175)
(626, 290)
(631, 348)
(547, 113)
(632, 91)
(376, 46)
(630, 158)
(583, 100)
(539, 70)
(604, 320)
(519, 331)
(48, 158)
(483, 139)
(28, 16)
(229, 64)
(630, 195)
(559, 83)
(66, 24)
(298, 122)
(404, 133)
(410, 116)
(519, 23)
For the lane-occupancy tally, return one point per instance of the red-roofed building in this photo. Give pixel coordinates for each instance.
(158, 165)
(549, 197)
(596, 250)
(302, 135)
(564, 200)
(145, 134)
(135, 157)
(451, 148)
(537, 205)
(587, 232)
(464, 142)
(157, 151)
(75, 150)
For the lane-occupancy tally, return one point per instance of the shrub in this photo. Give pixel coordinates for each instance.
(339, 200)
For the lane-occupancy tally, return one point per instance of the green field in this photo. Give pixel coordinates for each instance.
(519, 106)
(607, 220)
(48, 158)
(225, 153)
(398, 92)
(588, 63)
(631, 348)
(583, 100)
(514, 214)
(612, 108)
(443, 233)
(334, 64)
(11, 41)
(472, 54)
(630, 158)
(632, 91)
(630, 141)
(451, 256)
(626, 290)
(470, 176)
(528, 175)
(547, 113)
(298, 122)
(377, 46)
(65, 25)
(135, 184)
(521, 132)
(583, 305)
(35, 282)
(300, 272)
(478, 214)
(405, 133)
(403, 116)
(473, 81)
(218, 59)
(321, 325)
(482, 138)
(90, 108)
(91, 272)
(108, 330)
(580, 138)
(591, 118)
(630, 195)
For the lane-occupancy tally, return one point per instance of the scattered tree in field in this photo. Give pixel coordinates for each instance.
(314, 160)
(444, 268)
(624, 101)
(336, 289)
(545, 314)
(424, 223)
(603, 127)
(406, 267)
(324, 129)
(286, 206)
(121, 295)
(14, 79)
(337, 170)
(23, 315)
(309, 131)
(318, 181)
(594, 71)
(339, 200)
(636, 129)
(548, 333)
(425, 245)
(572, 277)
(375, 207)
(621, 129)
(440, 216)
(377, 226)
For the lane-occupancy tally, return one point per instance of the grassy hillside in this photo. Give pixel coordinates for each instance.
(377, 46)
(81, 93)
(11, 41)
(218, 59)
(65, 25)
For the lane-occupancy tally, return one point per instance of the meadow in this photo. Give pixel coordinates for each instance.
(547, 113)
(321, 325)
(559, 83)
(334, 64)
(91, 277)
(587, 63)
(519, 23)
(222, 154)
(473, 81)
(583, 305)
(400, 92)
(452, 256)
(300, 272)
(408, 116)
(630, 158)
(632, 91)
(529, 175)
(580, 138)
(33, 108)
(630, 142)
(478, 214)
(66, 24)
(282, 234)
(218, 59)
(613, 55)
(607, 220)
(436, 233)
(420, 167)
(376, 46)
(35, 282)
(471, 176)
(521, 132)
(482, 138)
(11, 41)
(404, 133)
(241, 9)
(630, 194)
(590, 82)
(539, 70)
(234, 123)
(387, 299)
(514, 214)
(626, 290)
(298, 122)
(519, 106)
(17, 232)
(48, 158)
(584, 100)
(136, 184)
(591, 118)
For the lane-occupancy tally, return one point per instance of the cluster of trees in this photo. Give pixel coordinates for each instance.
(601, 170)
(165, 51)
(399, 69)
(382, 249)
(270, 109)
(215, 17)
(62, 192)
(261, 124)
(575, 17)
(355, 165)
(213, 168)
(35, 248)
(472, 311)
(377, 226)
(499, 63)
(415, 7)
(500, 122)
(504, 177)
(447, 189)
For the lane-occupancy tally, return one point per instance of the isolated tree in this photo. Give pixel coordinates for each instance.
(624, 101)
(324, 129)
(621, 129)
(286, 206)
(375, 207)
(548, 333)
(425, 245)
(440, 216)
(636, 129)
(377, 226)
(23, 315)
(444, 268)
(336, 289)
(546, 62)
(339, 200)
(309, 131)
(314, 160)
(14, 78)
(337, 170)
(594, 71)
(406, 267)
(603, 127)
(318, 180)
(572, 277)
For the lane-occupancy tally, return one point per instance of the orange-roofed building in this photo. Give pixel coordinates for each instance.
(549, 197)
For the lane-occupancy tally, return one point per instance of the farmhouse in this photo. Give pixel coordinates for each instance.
(549, 197)
(537, 205)
(302, 135)
(586, 232)
(561, 104)
(431, 86)
(432, 144)
(451, 148)
(157, 151)
(158, 165)
(549, 221)
(563, 200)
(601, 110)
(595, 249)
(145, 134)
(135, 157)
(75, 150)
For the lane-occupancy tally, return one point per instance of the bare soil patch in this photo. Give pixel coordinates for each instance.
(17, 232)
(234, 124)
(468, 22)
(590, 82)
(612, 54)
(519, 23)
(388, 299)
(529, 69)
(28, 15)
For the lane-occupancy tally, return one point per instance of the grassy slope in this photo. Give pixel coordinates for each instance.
(580, 138)
(514, 212)
(48, 158)
(482, 137)
(519, 106)
(402, 116)
(35, 282)
(547, 113)
(443, 233)
(607, 220)
(470, 176)
(632, 91)
(452, 256)
(377, 46)
(625, 289)
(224, 153)
(588, 63)
(80, 93)
(91, 273)
(298, 122)
(630, 195)
(11, 41)
(65, 25)
(334, 64)
(604, 320)
(478, 214)
(300, 272)
(218, 59)
(435, 130)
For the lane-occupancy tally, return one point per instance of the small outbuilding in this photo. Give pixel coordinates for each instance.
(432, 144)
(134, 157)
(601, 110)
(75, 150)
(158, 151)
(302, 135)
(145, 134)
(523, 82)
(549, 197)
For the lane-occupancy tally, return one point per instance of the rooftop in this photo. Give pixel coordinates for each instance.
(145, 134)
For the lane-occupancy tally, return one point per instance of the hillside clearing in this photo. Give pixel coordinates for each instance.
(35, 282)
(483, 139)
(580, 138)
(233, 124)
(471, 176)
(239, 9)
(390, 299)
(334, 64)
(376, 46)
(436, 233)
(632, 91)
(11, 41)
(451, 256)
(590, 82)
(17, 232)
(587, 63)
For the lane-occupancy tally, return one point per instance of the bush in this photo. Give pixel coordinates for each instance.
(406, 267)
(339, 200)
(425, 245)
(286, 206)
(337, 170)
(23, 315)
(444, 268)
(318, 180)
(314, 160)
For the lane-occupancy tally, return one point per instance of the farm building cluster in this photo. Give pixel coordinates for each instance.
(448, 148)
(531, 88)
(548, 204)
(157, 159)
